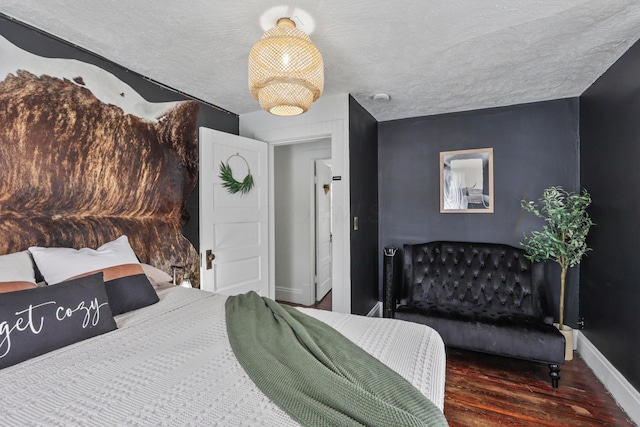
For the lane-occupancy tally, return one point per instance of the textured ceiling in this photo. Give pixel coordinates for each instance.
(430, 56)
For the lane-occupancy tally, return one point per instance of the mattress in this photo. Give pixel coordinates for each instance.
(171, 364)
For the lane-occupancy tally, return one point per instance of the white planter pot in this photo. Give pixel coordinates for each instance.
(567, 331)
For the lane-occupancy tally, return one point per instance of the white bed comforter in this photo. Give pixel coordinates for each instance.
(171, 364)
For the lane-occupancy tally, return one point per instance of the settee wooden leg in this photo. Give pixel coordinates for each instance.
(554, 373)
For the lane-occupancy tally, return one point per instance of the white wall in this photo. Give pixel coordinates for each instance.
(294, 219)
(328, 117)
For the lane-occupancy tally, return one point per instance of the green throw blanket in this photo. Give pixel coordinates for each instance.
(315, 374)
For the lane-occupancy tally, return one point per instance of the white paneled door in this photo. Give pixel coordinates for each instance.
(233, 227)
(323, 227)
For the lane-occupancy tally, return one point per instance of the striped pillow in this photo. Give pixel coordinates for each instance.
(125, 282)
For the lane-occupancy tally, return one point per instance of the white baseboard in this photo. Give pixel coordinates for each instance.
(293, 295)
(376, 311)
(622, 391)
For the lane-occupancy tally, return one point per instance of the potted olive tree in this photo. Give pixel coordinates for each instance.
(562, 238)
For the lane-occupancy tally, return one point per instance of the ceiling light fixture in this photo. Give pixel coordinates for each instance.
(286, 73)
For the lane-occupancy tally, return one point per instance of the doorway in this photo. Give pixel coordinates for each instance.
(315, 125)
(302, 220)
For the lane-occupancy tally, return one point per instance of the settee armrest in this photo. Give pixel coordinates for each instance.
(389, 282)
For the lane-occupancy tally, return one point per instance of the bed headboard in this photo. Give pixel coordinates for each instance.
(76, 171)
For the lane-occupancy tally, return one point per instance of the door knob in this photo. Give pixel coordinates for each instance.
(210, 256)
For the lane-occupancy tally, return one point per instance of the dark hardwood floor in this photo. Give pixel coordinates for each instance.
(484, 390)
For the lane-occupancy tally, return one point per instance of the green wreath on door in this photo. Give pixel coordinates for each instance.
(232, 185)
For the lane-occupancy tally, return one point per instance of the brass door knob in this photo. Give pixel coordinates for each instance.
(210, 256)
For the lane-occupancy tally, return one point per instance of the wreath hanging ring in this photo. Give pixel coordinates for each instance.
(232, 185)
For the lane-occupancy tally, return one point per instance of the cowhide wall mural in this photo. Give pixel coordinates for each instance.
(85, 159)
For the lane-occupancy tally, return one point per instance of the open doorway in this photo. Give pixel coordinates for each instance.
(302, 221)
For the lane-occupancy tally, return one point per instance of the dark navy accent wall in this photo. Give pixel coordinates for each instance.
(363, 176)
(209, 116)
(610, 155)
(534, 146)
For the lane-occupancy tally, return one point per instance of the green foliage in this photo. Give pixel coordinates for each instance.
(232, 185)
(563, 238)
(567, 223)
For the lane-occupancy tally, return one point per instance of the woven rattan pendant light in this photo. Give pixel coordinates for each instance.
(285, 70)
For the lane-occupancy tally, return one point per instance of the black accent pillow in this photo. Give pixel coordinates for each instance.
(40, 320)
(130, 293)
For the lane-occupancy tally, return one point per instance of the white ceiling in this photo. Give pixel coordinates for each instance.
(430, 56)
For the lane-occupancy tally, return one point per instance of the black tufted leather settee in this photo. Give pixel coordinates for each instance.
(478, 296)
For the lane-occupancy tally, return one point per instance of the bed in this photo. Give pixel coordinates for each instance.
(171, 364)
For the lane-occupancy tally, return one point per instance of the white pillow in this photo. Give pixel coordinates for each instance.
(60, 264)
(17, 267)
(155, 275)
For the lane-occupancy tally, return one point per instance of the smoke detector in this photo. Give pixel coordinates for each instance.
(381, 97)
